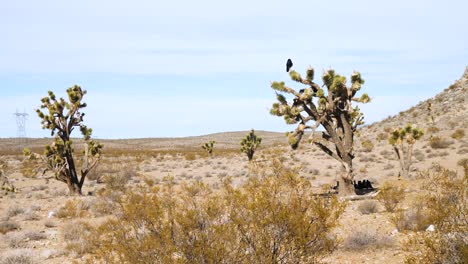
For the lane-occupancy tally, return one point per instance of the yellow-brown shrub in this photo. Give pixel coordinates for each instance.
(273, 217)
(390, 196)
(445, 207)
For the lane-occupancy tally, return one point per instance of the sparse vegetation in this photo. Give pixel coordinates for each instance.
(365, 238)
(75, 235)
(367, 145)
(333, 111)
(458, 134)
(368, 207)
(274, 217)
(444, 205)
(437, 142)
(18, 258)
(7, 226)
(390, 196)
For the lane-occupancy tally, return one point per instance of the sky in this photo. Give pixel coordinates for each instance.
(185, 68)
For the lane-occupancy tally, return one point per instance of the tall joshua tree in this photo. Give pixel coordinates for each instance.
(331, 108)
(61, 118)
(403, 140)
(250, 143)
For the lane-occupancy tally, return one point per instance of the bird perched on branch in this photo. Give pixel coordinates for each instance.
(289, 64)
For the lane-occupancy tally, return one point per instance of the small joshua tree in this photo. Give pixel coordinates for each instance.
(332, 109)
(208, 147)
(250, 143)
(402, 140)
(61, 118)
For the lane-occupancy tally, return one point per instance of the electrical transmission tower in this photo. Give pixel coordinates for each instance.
(21, 125)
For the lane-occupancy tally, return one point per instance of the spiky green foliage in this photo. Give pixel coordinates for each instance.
(208, 147)
(61, 117)
(402, 140)
(331, 108)
(250, 143)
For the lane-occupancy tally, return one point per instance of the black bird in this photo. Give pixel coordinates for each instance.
(289, 64)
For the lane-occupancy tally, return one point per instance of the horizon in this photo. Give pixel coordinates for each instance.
(156, 70)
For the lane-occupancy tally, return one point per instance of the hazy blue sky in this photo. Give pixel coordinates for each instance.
(178, 68)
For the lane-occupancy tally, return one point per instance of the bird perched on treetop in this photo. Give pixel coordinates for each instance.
(289, 64)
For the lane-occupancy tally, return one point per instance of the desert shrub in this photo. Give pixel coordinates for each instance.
(433, 129)
(75, 235)
(50, 223)
(190, 156)
(18, 258)
(367, 145)
(412, 219)
(15, 240)
(368, 207)
(73, 208)
(439, 143)
(34, 236)
(445, 205)
(382, 136)
(15, 210)
(32, 216)
(274, 217)
(419, 155)
(390, 196)
(106, 204)
(458, 134)
(7, 226)
(364, 238)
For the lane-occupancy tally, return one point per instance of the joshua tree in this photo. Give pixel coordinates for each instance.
(402, 140)
(250, 143)
(208, 147)
(61, 118)
(332, 109)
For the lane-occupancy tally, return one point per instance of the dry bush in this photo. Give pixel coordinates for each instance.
(74, 208)
(50, 223)
(367, 145)
(34, 236)
(412, 219)
(439, 143)
(7, 226)
(382, 136)
(419, 155)
(107, 202)
(458, 134)
(18, 258)
(15, 210)
(390, 196)
(433, 129)
(190, 156)
(445, 205)
(273, 218)
(75, 236)
(32, 216)
(15, 240)
(365, 238)
(368, 207)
